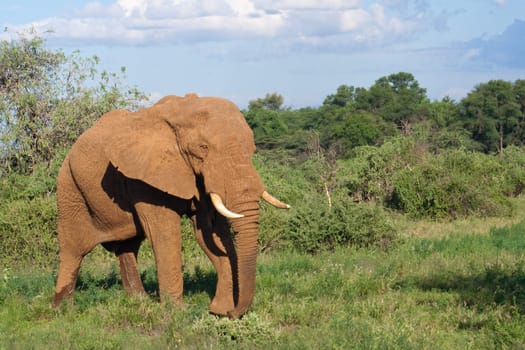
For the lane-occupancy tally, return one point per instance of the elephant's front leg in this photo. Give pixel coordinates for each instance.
(162, 227)
(218, 245)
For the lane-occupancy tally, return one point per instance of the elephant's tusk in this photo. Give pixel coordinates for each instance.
(219, 205)
(274, 201)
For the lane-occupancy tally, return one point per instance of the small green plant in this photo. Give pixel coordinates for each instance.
(251, 329)
(6, 275)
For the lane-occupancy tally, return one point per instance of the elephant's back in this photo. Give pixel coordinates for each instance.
(106, 127)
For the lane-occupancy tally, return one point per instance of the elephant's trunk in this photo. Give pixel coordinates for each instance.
(246, 233)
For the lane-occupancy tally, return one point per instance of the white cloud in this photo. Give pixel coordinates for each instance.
(309, 4)
(472, 53)
(354, 19)
(242, 7)
(133, 7)
(375, 25)
(312, 24)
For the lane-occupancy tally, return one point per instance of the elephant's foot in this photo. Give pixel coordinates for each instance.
(65, 293)
(233, 313)
(237, 312)
(171, 299)
(221, 306)
(132, 292)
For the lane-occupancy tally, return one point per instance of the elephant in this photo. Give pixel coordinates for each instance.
(133, 175)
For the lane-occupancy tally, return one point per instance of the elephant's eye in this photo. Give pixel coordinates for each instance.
(199, 150)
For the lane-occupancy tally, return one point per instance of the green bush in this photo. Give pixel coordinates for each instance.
(404, 175)
(41, 182)
(454, 184)
(252, 330)
(28, 218)
(316, 226)
(368, 174)
(311, 225)
(28, 232)
(284, 182)
(513, 161)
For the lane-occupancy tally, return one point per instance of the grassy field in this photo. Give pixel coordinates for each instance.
(454, 285)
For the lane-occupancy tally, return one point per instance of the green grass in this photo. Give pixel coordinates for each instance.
(453, 291)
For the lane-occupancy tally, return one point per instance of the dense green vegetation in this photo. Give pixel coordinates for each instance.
(341, 269)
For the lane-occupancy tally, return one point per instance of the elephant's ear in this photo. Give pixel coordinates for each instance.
(149, 152)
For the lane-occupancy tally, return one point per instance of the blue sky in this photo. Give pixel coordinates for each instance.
(302, 49)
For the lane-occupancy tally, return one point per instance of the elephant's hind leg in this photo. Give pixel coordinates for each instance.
(76, 234)
(127, 252)
(72, 251)
(67, 276)
(130, 274)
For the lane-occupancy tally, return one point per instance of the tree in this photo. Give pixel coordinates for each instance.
(443, 113)
(47, 99)
(267, 125)
(345, 94)
(397, 98)
(517, 136)
(519, 92)
(273, 101)
(491, 112)
(350, 129)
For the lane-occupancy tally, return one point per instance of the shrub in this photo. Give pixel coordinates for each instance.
(454, 184)
(311, 225)
(406, 176)
(41, 182)
(315, 226)
(253, 330)
(513, 162)
(28, 232)
(28, 216)
(368, 174)
(286, 183)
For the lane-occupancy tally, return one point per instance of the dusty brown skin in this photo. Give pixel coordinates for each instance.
(133, 175)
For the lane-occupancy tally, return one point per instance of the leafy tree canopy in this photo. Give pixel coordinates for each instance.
(273, 101)
(493, 114)
(48, 98)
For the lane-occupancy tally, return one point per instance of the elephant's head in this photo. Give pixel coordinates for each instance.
(190, 140)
